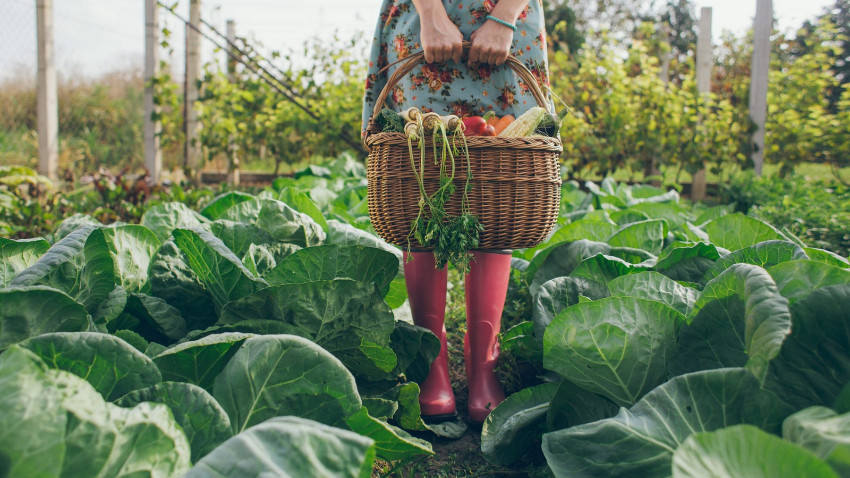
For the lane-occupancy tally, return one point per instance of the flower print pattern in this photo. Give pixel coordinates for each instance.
(449, 87)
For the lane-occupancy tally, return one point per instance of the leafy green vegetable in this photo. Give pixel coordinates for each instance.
(202, 419)
(640, 441)
(113, 367)
(30, 311)
(744, 450)
(276, 375)
(290, 447)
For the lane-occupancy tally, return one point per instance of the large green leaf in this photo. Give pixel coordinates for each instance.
(262, 258)
(813, 364)
(199, 361)
(289, 447)
(218, 269)
(238, 236)
(672, 213)
(764, 254)
(97, 438)
(687, 261)
(174, 281)
(589, 229)
(559, 293)
(740, 320)
(79, 265)
(646, 235)
(572, 405)
(328, 262)
(745, 451)
(202, 419)
(113, 367)
(343, 234)
(288, 225)
(796, 279)
(221, 203)
(276, 375)
(515, 426)
(346, 317)
(827, 257)
(736, 231)
(603, 268)
(158, 321)
(164, 218)
(560, 260)
(132, 247)
(641, 441)
(303, 204)
(32, 425)
(654, 286)
(391, 443)
(71, 224)
(618, 346)
(823, 432)
(16, 256)
(415, 348)
(30, 311)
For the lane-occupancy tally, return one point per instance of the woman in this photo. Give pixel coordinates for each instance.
(464, 85)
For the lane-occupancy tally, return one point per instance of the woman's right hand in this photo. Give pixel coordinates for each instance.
(441, 38)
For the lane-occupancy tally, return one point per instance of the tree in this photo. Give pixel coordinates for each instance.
(562, 27)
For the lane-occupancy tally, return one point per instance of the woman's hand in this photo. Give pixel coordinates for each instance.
(441, 39)
(491, 43)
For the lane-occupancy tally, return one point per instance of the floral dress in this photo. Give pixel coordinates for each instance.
(449, 87)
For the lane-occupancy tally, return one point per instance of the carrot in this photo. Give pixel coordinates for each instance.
(503, 123)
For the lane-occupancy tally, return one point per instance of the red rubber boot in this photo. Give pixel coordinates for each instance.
(426, 291)
(486, 289)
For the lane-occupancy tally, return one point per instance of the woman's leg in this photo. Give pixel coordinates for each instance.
(426, 291)
(486, 288)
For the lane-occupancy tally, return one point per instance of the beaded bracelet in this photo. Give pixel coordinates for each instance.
(502, 22)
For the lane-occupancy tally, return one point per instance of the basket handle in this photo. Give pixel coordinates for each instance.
(413, 60)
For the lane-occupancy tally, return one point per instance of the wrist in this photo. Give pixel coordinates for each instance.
(509, 11)
(502, 23)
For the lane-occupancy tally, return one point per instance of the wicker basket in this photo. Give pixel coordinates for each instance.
(516, 183)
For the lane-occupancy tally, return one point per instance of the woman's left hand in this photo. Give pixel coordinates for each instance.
(491, 43)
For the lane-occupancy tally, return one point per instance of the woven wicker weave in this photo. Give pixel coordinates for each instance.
(516, 185)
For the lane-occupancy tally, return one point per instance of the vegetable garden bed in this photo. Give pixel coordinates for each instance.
(267, 333)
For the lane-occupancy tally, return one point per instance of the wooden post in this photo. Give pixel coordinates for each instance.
(193, 76)
(48, 102)
(704, 61)
(758, 81)
(153, 155)
(233, 169)
(664, 72)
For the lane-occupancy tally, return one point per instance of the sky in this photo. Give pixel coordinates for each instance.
(96, 36)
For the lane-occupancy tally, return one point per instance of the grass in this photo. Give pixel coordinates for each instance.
(462, 457)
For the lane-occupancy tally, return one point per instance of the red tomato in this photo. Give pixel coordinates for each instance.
(475, 125)
(489, 130)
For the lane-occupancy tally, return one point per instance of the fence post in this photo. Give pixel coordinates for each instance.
(704, 61)
(48, 102)
(192, 93)
(153, 155)
(762, 28)
(233, 169)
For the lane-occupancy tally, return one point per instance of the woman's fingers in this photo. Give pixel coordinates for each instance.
(457, 52)
(475, 53)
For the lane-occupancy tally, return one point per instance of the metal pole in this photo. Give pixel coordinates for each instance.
(758, 81)
(193, 76)
(233, 169)
(704, 61)
(153, 154)
(48, 102)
